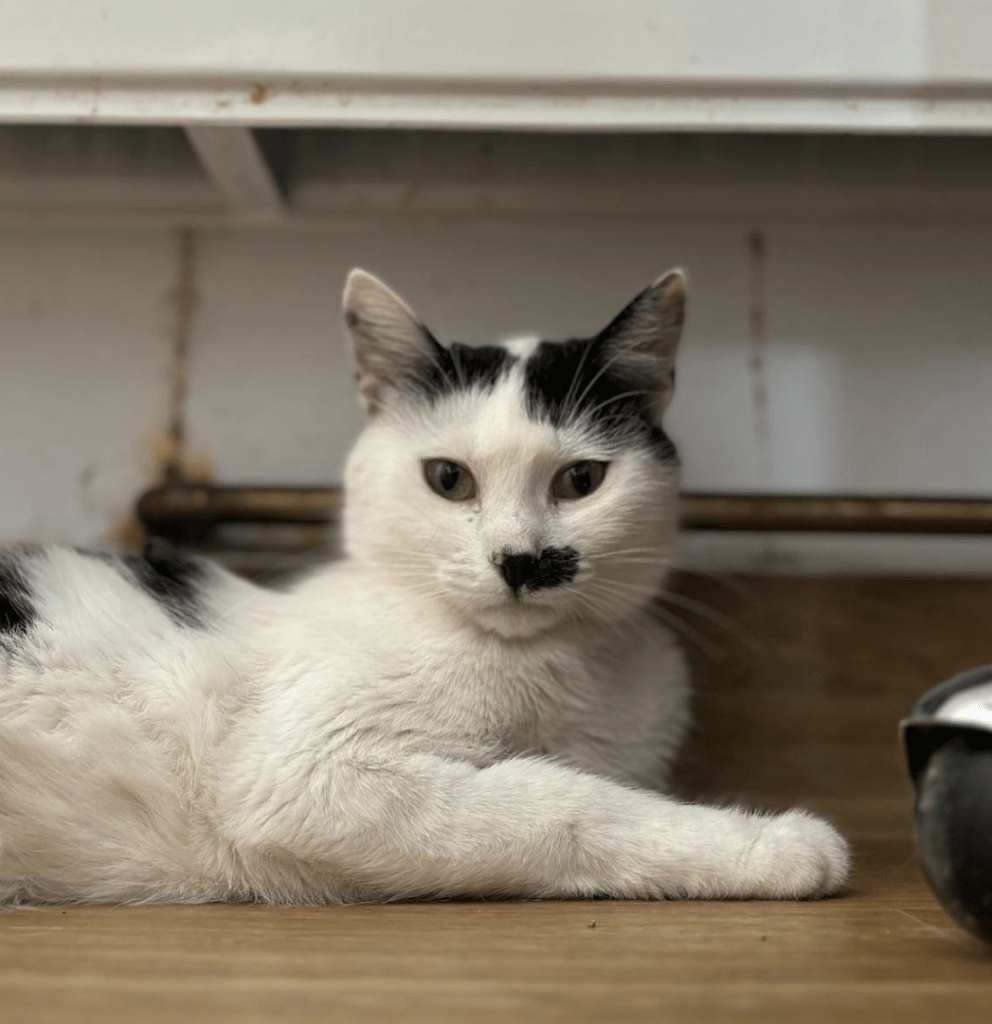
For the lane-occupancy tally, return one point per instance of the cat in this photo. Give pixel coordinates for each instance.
(476, 701)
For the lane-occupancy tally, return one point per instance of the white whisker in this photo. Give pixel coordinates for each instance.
(717, 618)
(566, 402)
(616, 398)
(609, 362)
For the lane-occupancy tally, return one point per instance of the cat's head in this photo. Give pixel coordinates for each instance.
(520, 485)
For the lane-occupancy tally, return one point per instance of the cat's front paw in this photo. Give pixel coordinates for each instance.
(796, 856)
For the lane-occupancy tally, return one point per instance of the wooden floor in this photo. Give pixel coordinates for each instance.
(801, 689)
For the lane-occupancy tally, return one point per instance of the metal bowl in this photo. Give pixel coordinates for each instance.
(947, 735)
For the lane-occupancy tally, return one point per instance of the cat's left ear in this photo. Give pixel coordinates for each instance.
(644, 337)
(392, 347)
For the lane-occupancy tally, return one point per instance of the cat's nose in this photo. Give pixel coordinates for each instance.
(551, 568)
(518, 570)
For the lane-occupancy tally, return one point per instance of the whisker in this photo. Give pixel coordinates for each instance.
(625, 585)
(683, 629)
(592, 608)
(566, 402)
(641, 559)
(433, 349)
(626, 551)
(609, 362)
(735, 586)
(616, 398)
(637, 422)
(716, 617)
(457, 364)
(621, 588)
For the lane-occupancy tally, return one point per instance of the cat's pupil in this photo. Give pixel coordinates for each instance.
(449, 476)
(581, 477)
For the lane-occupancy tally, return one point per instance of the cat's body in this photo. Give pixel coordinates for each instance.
(476, 701)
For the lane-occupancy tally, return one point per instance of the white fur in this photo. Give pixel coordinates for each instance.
(396, 725)
(522, 347)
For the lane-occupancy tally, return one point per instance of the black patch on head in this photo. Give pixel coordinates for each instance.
(574, 381)
(552, 568)
(458, 368)
(175, 582)
(17, 613)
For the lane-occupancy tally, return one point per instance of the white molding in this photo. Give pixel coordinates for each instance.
(574, 106)
(838, 65)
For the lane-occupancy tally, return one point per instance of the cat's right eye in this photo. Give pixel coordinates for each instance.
(449, 479)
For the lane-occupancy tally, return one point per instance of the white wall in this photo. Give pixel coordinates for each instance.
(876, 363)
(84, 378)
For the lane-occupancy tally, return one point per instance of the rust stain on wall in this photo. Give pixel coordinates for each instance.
(756, 360)
(169, 458)
(184, 298)
(169, 462)
(129, 536)
(175, 464)
(260, 93)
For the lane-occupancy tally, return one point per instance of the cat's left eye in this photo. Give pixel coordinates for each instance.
(578, 480)
(449, 479)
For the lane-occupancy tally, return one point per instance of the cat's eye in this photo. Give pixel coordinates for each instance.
(578, 480)
(449, 479)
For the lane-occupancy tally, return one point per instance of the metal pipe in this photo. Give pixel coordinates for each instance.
(193, 509)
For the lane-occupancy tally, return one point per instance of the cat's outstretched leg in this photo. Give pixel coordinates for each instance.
(423, 826)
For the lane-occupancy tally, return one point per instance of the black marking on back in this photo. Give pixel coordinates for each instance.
(572, 381)
(460, 368)
(17, 612)
(175, 582)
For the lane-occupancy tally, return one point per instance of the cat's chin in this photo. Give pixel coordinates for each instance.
(515, 619)
(533, 615)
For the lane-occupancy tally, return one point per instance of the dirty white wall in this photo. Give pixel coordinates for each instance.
(819, 356)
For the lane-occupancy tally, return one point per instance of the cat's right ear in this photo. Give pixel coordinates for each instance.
(392, 347)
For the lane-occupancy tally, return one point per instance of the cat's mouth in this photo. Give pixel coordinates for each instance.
(525, 610)
(522, 595)
(517, 616)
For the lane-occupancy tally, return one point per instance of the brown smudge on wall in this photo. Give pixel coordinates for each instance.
(173, 463)
(169, 459)
(756, 360)
(129, 536)
(184, 299)
(168, 463)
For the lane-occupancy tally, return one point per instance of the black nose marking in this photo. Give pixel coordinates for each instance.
(519, 570)
(552, 568)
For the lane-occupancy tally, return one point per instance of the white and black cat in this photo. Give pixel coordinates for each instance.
(475, 701)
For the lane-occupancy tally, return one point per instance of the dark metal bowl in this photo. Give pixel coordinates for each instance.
(948, 740)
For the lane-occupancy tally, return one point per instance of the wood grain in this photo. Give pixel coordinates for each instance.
(801, 689)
